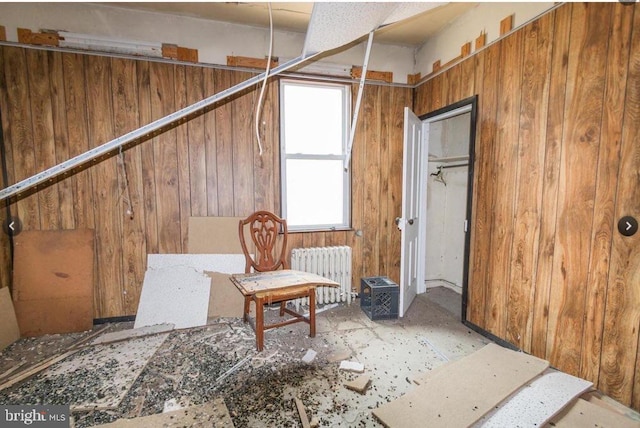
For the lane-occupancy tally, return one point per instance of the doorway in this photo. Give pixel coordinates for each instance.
(447, 188)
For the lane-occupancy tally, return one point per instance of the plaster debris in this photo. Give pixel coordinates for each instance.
(352, 366)
(309, 356)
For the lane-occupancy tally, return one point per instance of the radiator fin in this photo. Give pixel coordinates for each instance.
(330, 262)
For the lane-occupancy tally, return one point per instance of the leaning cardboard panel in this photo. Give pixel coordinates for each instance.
(214, 235)
(53, 281)
(9, 331)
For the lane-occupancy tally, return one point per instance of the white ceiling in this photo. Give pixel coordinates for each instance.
(295, 17)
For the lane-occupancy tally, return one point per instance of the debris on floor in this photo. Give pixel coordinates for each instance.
(352, 366)
(359, 384)
(309, 356)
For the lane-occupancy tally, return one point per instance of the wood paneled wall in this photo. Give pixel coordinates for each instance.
(557, 164)
(57, 105)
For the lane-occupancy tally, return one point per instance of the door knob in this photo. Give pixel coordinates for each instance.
(410, 221)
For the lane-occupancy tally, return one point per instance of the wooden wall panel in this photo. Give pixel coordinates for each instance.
(548, 205)
(530, 160)
(604, 209)
(5, 242)
(207, 166)
(556, 167)
(620, 368)
(576, 193)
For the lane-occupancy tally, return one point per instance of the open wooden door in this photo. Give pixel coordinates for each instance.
(411, 270)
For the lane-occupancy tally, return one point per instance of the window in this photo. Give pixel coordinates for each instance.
(314, 133)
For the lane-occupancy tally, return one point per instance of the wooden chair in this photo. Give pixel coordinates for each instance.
(264, 229)
(267, 233)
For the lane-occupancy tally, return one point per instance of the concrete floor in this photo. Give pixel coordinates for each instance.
(187, 368)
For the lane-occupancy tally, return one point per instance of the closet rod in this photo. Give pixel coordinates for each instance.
(452, 166)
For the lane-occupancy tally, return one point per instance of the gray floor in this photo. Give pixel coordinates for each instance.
(219, 360)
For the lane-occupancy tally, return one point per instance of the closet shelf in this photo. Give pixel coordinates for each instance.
(449, 159)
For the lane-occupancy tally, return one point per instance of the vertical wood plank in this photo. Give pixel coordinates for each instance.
(475, 287)
(23, 150)
(619, 367)
(467, 78)
(66, 200)
(182, 152)
(576, 194)
(384, 221)
(6, 158)
(370, 114)
(358, 174)
(211, 148)
(533, 122)
(244, 142)
(148, 161)
(42, 124)
(133, 250)
(604, 208)
(480, 289)
(75, 99)
(108, 291)
(479, 207)
(166, 160)
(553, 146)
(504, 178)
(197, 159)
(224, 145)
(400, 98)
(266, 172)
(453, 76)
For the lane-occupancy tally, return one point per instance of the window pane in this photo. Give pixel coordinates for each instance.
(313, 119)
(314, 192)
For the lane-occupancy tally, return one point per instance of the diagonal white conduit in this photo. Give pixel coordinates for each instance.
(146, 131)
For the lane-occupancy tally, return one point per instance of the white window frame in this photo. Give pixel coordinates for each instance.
(346, 177)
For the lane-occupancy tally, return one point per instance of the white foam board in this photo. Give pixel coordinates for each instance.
(536, 403)
(223, 263)
(176, 288)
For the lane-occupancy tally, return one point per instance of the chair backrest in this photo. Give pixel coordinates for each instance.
(264, 229)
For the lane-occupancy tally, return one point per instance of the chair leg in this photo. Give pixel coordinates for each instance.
(247, 303)
(259, 323)
(283, 304)
(312, 312)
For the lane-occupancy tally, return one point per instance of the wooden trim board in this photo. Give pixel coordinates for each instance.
(462, 392)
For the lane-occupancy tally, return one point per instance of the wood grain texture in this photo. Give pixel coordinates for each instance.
(480, 297)
(605, 198)
(224, 145)
(570, 276)
(244, 144)
(182, 155)
(5, 243)
(195, 128)
(108, 225)
(533, 121)
(620, 361)
(576, 192)
(504, 179)
(130, 182)
(166, 160)
(42, 125)
(549, 202)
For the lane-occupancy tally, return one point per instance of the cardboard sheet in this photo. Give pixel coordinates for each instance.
(536, 403)
(214, 235)
(53, 281)
(225, 300)
(462, 392)
(582, 414)
(9, 331)
(213, 414)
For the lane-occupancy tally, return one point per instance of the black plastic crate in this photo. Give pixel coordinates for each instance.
(379, 297)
